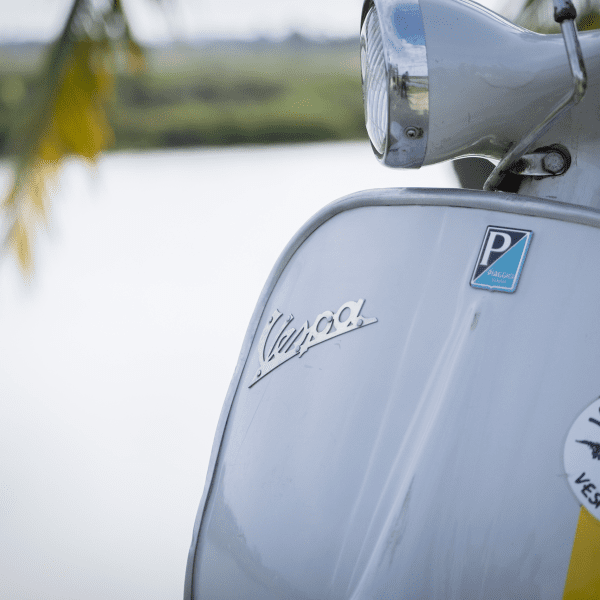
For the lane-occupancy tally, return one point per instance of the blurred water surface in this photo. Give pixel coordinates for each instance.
(115, 360)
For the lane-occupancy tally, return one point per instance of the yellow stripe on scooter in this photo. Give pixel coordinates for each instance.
(583, 577)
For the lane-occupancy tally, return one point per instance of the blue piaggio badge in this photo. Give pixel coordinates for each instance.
(501, 259)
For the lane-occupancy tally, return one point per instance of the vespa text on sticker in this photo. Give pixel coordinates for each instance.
(582, 458)
(289, 342)
(501, 259)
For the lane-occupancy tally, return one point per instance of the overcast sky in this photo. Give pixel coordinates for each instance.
(188, 19)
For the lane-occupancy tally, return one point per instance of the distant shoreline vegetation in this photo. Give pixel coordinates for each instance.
(215, 93)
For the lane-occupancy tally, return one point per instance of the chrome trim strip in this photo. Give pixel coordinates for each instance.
(494, 201)
(404, 47)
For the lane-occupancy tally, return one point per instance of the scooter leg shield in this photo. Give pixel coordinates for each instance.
(397, 422)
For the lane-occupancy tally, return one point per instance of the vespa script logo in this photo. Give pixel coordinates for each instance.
(289, 342)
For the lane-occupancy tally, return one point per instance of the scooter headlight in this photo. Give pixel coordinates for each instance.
(395, 81)
(449, 78)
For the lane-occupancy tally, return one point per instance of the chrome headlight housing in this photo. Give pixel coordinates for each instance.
(395, 81)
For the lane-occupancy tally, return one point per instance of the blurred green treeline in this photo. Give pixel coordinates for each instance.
(222, 92)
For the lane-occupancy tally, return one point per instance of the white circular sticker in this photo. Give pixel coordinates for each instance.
(582, 458)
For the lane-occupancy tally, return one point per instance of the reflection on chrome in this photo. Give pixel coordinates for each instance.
(395, 81)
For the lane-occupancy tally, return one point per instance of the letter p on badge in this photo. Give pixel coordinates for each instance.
(501, 259)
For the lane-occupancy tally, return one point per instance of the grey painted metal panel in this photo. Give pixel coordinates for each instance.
(421, 456)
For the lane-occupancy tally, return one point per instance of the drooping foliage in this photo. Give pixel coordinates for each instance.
(538, 15)
(67, 115)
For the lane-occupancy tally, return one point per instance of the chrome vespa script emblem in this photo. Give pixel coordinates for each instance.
(289, 342)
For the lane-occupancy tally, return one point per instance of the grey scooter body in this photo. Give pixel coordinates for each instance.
(419, 455)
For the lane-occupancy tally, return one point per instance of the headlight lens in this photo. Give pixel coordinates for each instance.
(374, 81)
(395, 81)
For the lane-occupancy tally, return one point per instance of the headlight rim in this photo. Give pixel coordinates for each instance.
(403, 39)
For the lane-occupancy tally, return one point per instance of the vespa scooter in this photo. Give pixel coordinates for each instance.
(415, 412)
